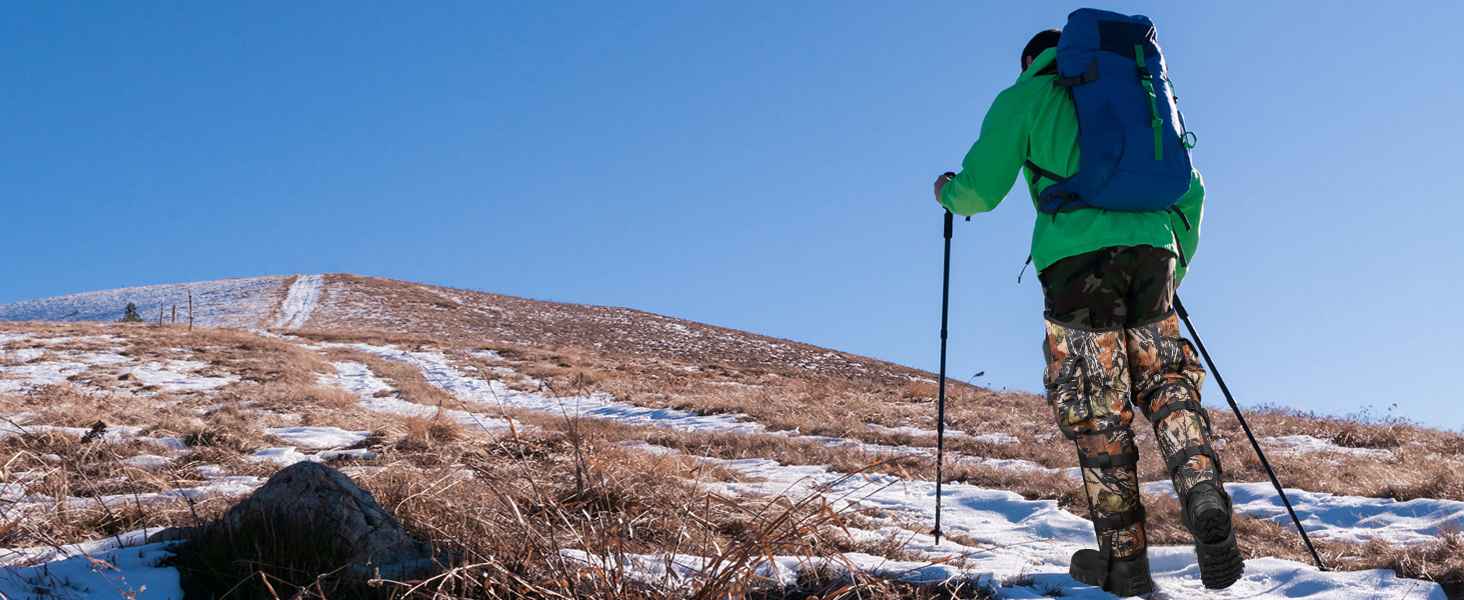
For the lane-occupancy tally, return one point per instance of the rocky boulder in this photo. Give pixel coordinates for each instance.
(310, 517)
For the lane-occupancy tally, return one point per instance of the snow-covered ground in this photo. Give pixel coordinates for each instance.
(299, 303)
(226, 303)
(1305, 444)
(680, 570)
(24, 368)
(358, 379)
(319, 437)
(1355, 519)
(1030, 541)
(121, 567)
(179, 376)
(1016, 547)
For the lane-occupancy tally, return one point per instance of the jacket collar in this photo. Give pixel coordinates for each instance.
(1043, 60)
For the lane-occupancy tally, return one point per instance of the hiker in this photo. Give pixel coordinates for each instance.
(1110, 245)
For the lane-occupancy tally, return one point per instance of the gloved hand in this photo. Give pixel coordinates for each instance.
(940, 183)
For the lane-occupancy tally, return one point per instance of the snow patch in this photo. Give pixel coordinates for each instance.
(1305, 444)
(439, 372)
(910, 430)
(353, 454)
(358, 379)
(299, 302)
(16, 425)
(681, 570)
(177, 376)
(283, 457)
(132, 572)
(319, 437)
(995, 439)
(147, 461)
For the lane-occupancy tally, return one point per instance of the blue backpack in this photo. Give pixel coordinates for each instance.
(1133, 149)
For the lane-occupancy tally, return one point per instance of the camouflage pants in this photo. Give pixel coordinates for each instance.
(1113, 343)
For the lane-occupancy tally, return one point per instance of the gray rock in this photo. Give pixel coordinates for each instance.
(324, 504)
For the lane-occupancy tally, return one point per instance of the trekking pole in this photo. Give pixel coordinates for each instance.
(945, 303)
(1183, 314)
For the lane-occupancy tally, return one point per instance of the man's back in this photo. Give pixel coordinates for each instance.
(1035, 120)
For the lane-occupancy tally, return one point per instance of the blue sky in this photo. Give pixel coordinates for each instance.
(759, 165)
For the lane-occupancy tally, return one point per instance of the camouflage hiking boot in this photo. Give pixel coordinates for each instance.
(1206, 514)
(1121, 577)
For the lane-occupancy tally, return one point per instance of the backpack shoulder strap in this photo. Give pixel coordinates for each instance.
(1040, 173)
(1087, 76)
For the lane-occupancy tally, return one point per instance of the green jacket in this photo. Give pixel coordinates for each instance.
(1032, 116)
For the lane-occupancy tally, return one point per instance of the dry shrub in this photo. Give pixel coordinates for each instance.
(510, 526)
(1441, 560)
(1031, 484)
(227, 428)
(919, 390)
(423, 434)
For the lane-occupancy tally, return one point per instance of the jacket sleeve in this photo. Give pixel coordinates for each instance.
(1192, 206)
(991, 166)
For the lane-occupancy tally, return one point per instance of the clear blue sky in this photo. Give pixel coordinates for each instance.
(761, 165)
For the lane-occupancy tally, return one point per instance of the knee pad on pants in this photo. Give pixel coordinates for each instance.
(1167, 377)
(1087, 379)
(1158, 355)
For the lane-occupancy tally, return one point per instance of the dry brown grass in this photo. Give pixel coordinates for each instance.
(464, 317)
(423, 435)
(532, 496)
(94, 493)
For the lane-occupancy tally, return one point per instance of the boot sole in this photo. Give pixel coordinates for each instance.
(1213, 526)
(1220, 562)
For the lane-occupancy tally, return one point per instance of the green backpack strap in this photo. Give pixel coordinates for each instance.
(1146, 79)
